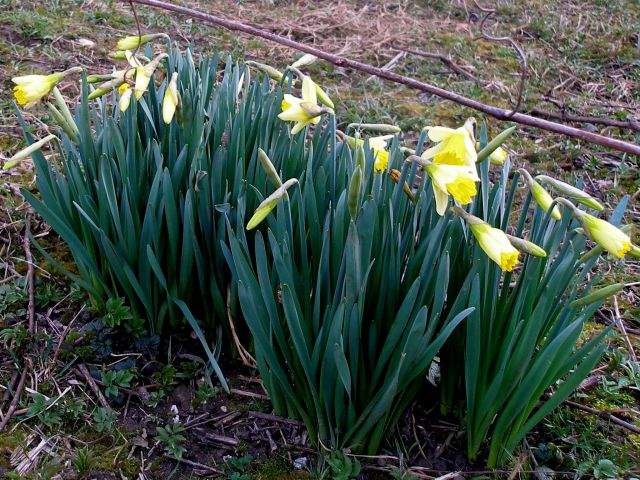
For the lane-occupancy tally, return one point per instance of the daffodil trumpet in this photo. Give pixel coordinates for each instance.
(541, 196)
(608, 236)
(30, 89)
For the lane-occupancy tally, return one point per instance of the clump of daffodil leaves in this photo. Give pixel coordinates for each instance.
(348, 260)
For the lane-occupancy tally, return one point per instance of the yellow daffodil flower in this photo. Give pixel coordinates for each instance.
(608, 236)
(143, 72)
(493, 241)
(303, 110)
(171, 99)
(455, 180)
(125, 97)
(541, 196)
(496, 245)
(454, 147)
(30, 89)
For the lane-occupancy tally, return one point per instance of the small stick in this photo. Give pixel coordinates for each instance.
(16, 398)
(200, 466)
(82, 368)
(620, 323)
(444, 59)
(605, 415)
(275, 418)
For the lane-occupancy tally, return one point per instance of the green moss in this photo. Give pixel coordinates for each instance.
(277, 468)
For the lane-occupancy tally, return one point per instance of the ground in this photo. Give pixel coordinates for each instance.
(583, 59)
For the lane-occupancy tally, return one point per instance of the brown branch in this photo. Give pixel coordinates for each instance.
(496, 112)
(568, 117)
(445, 60)
(605, 415)
(82, 368)
(16, 397)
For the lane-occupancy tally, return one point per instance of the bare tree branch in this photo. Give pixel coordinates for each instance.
(496, 112)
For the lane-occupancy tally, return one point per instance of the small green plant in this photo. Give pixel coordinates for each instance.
(45, 409)
(104, 419)
(155, 397)
(235, 468)
(171, 438)
(117, 378)
(343, 467)
(83, 462)
(165, 377)
(118, 314)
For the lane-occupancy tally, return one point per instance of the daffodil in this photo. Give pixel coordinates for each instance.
(143, 72)
(171, 99)
(541, 196)
(454, 147)
(303, 110)
(379, 147)
(493, 241)
(608, 236)
(30, 89)
(496, 245)
(455, 180)
(125, 97)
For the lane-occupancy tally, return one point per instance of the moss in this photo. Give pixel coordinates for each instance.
(9, 441)
(277, 468)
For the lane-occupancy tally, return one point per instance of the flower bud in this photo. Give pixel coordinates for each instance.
(270, 203)
(26, 152)
(571, 192)
(304, 61)
(494, 144)
(526, 246)
(375, 127)
(134, 41)
(269, 169)
(271, 72)
(541, 196)
(597, 295)
(353, 196)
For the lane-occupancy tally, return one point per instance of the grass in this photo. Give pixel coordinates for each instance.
(584, 57)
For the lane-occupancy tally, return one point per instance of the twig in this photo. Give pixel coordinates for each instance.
(444, 59)
(605, 415)
(82, 368)
(496, 112)
(620, 323)
(30, 273)
(16, 396)
(244, 393)
(515, 45)
(245, 356)
(568, 117)
(275, 418)
(200, 466)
